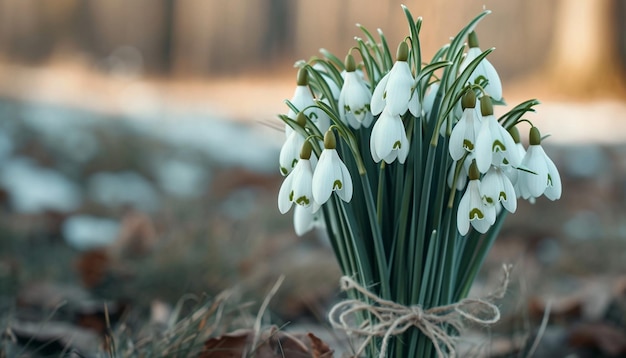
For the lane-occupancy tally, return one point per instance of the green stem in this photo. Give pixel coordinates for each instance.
(379, 247)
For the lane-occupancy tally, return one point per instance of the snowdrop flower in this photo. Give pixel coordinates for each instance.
(484, 68)
(355, 97)
(472, 208)
(306, 219)
(303, 100)
(494, 145)
(290, 151)
(545, 178)
(297, 187)
(463, 136)
(395, 90)
(388, 140)
(331, 174)
(497, 188)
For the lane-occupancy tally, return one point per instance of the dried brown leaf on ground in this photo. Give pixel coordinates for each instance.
(319, 348)
(272, 344)
(229, 345)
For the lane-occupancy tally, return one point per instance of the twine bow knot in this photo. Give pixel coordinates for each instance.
(387, 318)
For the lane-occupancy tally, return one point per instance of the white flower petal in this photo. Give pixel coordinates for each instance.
(354, 100)
(462, 217)
(303, 220)
(378, 101)
(485, 69)
(343, 111)
(509, 201)
(367, 120)
(331, 174)
(457, 138)
(302, 183)
(534, 184)
(284, 195)
(345, 193)
(373, 140)
(290, 152)
(415, 107)
(494, 87)
(383, 136)
(490, 187)
(322, 184)
(483, 147)
(399, 88)
(403, 152)
(553, 191)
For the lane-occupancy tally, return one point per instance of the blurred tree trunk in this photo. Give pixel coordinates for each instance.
(585, 60)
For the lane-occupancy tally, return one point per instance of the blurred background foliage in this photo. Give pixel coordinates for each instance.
(213, 37)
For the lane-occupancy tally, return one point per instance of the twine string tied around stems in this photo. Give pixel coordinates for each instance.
(388, 318)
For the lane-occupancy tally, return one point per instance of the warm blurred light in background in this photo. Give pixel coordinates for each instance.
(576, 46)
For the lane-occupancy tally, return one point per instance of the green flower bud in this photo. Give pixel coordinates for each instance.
(403, 52)
(329, 140)
(472, 39)
(303, 77)
(534, 138)
(514, 132)
(486, 107)
(473, 172)
(350, 64)
(469, 99)
(301, 119)
(307, 148)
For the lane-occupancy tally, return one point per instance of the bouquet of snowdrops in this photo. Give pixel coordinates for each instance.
(405, 166)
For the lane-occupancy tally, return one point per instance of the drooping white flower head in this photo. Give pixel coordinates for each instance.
(497, 188)
(463, 136)
(290, 151)
(331, 174)
(304, 101)
(395, 91)
(494, 145)
(543, 178)
(484, 68)
(473, 209)
(355, 98)
(388, 141)
(297, 187)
